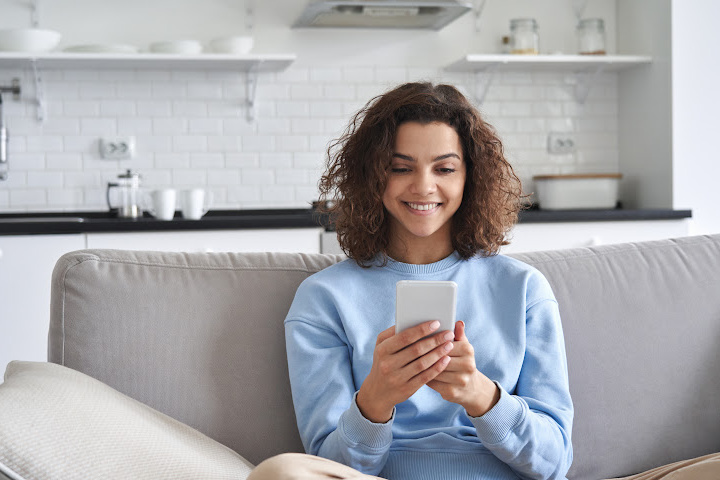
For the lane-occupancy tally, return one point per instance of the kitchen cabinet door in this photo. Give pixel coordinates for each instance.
(527, 237)
(305, 240)
(26, 264)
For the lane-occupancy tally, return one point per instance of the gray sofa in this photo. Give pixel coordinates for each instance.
(199, 337)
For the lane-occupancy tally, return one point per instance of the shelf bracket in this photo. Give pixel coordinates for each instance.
(34, 16)
(40, 106)
(251, 80)
(477, 13)
(481, 82)
(249, 16)
(584, 82)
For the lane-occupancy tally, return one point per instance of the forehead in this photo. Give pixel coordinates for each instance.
(432, 138)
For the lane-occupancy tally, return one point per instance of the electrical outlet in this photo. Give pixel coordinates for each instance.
(117, 148)
(561, 142)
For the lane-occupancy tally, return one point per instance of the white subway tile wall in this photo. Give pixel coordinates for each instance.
(191, 129)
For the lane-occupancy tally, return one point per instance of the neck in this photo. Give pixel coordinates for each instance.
(421, 251)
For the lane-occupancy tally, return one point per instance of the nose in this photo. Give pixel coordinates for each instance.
(423, 183)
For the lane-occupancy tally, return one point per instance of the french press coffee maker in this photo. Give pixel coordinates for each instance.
(128, 194)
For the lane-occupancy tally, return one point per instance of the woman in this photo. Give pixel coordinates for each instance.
(424, 192)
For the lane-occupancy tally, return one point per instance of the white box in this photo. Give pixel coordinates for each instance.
(581, 191)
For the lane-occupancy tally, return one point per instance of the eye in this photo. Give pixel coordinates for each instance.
(446, 170)
(399, 169)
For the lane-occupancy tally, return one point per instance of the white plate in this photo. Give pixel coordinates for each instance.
(234, 45)
(181, 47)
(114, 48)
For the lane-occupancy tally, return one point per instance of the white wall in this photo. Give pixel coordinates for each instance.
(191, 128)
(696, 109)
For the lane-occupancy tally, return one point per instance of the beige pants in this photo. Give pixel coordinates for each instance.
(297, 466)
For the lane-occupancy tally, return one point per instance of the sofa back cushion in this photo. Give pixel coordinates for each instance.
(200, 337)
(197, 336)
(642, 333)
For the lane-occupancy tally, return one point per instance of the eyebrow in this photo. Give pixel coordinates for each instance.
(436, 159)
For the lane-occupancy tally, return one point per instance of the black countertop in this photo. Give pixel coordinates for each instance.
(38, 223)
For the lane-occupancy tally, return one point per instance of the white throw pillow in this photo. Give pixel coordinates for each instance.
(57, 423)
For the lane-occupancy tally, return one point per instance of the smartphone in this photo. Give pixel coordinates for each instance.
(418, 301)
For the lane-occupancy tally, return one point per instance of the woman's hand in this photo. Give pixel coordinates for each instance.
(462, 383)
(402, 364)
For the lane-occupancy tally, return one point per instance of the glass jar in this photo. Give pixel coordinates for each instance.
(524, 39)
(591, 36)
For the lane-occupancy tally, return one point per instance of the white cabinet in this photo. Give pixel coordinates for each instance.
(26, 264)
(305, 240)
(527, 237)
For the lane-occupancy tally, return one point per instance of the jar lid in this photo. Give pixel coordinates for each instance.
(598, 23)
(527, 22)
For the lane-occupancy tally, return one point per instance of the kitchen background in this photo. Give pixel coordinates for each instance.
(191, 128)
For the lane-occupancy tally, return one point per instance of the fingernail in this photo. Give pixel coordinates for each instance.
(449, 336)
(448, 347)
(445, 360)
(435, 325)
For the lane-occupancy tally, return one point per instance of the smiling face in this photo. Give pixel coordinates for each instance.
(424, 189)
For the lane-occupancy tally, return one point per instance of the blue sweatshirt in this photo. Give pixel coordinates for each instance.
(513, 323)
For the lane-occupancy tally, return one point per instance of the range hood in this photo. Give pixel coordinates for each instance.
(421, 14)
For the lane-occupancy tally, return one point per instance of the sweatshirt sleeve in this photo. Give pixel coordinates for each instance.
(529, 428)
(329, 421)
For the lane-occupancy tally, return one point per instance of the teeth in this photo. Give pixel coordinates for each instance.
(426, 206)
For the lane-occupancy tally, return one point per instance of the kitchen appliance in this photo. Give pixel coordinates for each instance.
(578, 191)
(128, 193)
(420, 14)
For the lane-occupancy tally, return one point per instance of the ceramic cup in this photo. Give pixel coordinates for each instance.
(162, 203)
(195, 203)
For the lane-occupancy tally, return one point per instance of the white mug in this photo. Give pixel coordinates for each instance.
(195, 203)
(162, 206)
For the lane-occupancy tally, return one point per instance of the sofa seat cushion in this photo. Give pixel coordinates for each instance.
(59, 423)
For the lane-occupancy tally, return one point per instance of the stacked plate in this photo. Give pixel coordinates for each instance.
(179, 47)
(102, 48)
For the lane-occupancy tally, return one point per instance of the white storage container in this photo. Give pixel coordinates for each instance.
(580, 191)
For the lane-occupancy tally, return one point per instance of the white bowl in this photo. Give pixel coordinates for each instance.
(32, 40)
(181, 47)
(570, 192)
(235, 45)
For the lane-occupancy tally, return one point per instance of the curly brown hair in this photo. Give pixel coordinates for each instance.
(358, 162)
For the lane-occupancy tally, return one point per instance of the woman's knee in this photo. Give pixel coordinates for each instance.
(278, 467)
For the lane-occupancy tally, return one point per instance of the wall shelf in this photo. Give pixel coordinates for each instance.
(213, 61)
(585, 68)
(568, 63)
(251, 65)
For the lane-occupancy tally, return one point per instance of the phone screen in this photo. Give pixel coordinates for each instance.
(419, 301)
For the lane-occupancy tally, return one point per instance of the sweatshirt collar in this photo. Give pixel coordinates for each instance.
(412, 268)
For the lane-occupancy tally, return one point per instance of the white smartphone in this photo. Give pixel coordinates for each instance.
(418, 301)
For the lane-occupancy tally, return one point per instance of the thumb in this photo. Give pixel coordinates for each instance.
(460, 331)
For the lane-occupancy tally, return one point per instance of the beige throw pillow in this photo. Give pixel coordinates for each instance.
(56, 423)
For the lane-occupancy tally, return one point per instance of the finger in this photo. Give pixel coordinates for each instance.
(385, 334)
(429, 374)
(412, 335)
(426, 345)
(460, 331)
(421, 364)
(448, 377)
